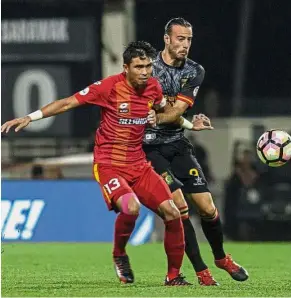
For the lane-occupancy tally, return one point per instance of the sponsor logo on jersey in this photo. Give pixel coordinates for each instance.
(135, 121)
(195, 91)
(123, 108)
(84, 91)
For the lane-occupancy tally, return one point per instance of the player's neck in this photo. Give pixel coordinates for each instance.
(169, 60)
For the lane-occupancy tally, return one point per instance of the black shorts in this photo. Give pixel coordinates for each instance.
(176, 163)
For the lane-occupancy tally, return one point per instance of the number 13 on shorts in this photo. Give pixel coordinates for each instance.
(109, 186)
(112, 185)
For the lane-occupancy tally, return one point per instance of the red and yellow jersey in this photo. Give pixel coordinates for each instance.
(124, 113)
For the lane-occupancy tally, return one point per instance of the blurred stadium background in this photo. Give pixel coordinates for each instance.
(51, 49)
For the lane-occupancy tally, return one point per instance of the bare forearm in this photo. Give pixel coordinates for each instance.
(57, 107)
(173, 113)
(169, 116)
(54, 108)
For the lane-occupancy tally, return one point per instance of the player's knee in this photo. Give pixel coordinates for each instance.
(204, 203)
(208, 210)
(179, 198)
(173, 213)
(134, 207)
(169, 210)
(130, 204)
(181, 203)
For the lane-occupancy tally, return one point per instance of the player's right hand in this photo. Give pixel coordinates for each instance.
(152, 118)
(20, 123)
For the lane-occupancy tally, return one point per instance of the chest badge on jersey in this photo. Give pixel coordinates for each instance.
(123, 108)
(170, 100)
(150, 104)
(183, 82)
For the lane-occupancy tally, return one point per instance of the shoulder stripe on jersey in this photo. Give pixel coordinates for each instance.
(186, 99)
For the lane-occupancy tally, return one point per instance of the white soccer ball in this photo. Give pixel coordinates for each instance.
(274, 147)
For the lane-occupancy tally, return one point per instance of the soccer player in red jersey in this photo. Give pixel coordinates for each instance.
(120, 166)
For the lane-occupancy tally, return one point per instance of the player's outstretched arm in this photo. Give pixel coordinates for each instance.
(52, 109)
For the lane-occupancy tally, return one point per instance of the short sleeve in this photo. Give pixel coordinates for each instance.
(96, 94)
(190, 89)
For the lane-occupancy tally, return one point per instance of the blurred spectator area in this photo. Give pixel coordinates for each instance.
(257, 198)
(46, 158)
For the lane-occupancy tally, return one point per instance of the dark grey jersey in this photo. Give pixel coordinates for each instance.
(178, 83)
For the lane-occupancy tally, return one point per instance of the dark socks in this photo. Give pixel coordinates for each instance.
(212, 229)
(191, 246)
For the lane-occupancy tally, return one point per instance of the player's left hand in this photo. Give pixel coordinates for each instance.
(201, 122)
(152, 118)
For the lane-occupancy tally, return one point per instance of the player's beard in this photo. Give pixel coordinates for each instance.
(178, 60)
(139, 86)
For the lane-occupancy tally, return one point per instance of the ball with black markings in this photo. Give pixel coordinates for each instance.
(274, 147)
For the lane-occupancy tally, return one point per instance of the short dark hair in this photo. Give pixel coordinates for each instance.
(176, 21)
(138, 49)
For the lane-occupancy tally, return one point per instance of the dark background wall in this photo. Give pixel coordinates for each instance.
(80, 71)
(216, 27)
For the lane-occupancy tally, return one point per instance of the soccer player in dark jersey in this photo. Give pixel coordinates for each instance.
(172, 155)
(120, 165)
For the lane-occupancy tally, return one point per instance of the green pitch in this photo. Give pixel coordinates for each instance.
(86, 270)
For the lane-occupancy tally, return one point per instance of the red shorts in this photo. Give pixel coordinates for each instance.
(115, 181)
